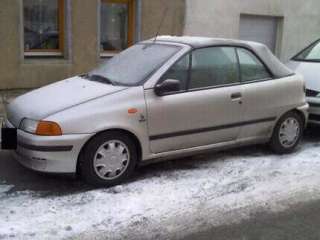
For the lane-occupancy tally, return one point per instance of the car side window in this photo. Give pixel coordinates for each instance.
(179, 71)
(251, 67)
(214, 66)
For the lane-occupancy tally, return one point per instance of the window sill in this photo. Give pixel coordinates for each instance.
(42, 54)
(46, 61)
(108, 54)
(40, 58)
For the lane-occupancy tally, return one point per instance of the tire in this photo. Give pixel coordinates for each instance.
(287, 133)
(108, 159)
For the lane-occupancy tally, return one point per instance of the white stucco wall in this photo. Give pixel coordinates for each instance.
(221, 18)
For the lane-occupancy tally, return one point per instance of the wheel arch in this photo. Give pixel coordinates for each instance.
(302, 115)
(295, 110)
(275, 143)
(119, 130)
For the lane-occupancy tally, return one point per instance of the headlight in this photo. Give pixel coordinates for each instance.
(29, 125)
(41, 128)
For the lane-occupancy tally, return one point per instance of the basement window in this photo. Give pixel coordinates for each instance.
(43, 22)
(116, 26)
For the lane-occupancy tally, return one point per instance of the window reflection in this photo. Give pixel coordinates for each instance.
(41, 25)
(115, 18)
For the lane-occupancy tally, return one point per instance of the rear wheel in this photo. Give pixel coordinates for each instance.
(108, 159)
(287, 133)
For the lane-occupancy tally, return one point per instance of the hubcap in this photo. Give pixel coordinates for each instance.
(111, 159)
(289, 132)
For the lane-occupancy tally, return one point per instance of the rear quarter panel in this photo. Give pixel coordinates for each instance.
(268, 99)
(290, 94)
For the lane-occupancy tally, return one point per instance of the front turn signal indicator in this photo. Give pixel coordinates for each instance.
(46, 128)
(132, 110)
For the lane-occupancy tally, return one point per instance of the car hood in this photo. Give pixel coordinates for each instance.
(310, 72)
(43, 102)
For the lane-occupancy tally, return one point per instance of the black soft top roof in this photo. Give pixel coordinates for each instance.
(277, 68)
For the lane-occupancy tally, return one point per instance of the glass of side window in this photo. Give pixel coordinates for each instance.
(179, 71)
(251, 67)
(214, 66)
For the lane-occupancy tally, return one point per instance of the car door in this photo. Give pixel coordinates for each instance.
(260, 96)
(208, 108)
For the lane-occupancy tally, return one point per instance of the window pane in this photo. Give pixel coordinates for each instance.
(179, 71)
(114, 26)
(251, 68)
(312, 53)
(41, 24)
(213, 67)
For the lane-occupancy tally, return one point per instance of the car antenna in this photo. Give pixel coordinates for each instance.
(161, 23)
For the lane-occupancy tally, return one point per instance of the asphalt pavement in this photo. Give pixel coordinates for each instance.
(300, 222)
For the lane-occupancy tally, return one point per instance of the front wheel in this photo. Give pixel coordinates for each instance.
(287, 133)
(108, 159)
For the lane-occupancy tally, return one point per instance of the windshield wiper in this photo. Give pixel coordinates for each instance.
(98, 78)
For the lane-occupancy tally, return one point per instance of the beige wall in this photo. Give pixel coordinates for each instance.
(221, 18)
(17, 72)
(215, 18)
(154, 10)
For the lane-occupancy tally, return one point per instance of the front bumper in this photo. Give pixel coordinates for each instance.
(314, 110)
(58, 154)
(50, 154)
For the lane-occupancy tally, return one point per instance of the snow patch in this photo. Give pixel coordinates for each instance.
(5, 188)
(184, 196)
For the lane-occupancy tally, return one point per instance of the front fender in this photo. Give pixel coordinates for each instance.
(110, 112)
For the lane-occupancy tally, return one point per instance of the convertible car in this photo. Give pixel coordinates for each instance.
(159, 99)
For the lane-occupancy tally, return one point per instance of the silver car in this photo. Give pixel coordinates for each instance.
(162, 98)
(307, 63)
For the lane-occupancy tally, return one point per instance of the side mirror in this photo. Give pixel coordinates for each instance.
(167, 86)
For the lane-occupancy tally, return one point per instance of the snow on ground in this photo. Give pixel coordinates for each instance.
(172, 199)
(5, 188)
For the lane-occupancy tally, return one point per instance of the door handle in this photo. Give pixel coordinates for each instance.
(236, 96)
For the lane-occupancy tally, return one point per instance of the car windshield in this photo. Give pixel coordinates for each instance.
(133, 66)
(310, 54)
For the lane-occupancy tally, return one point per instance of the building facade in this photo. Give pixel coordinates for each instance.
(285, 26)
(43, 41)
